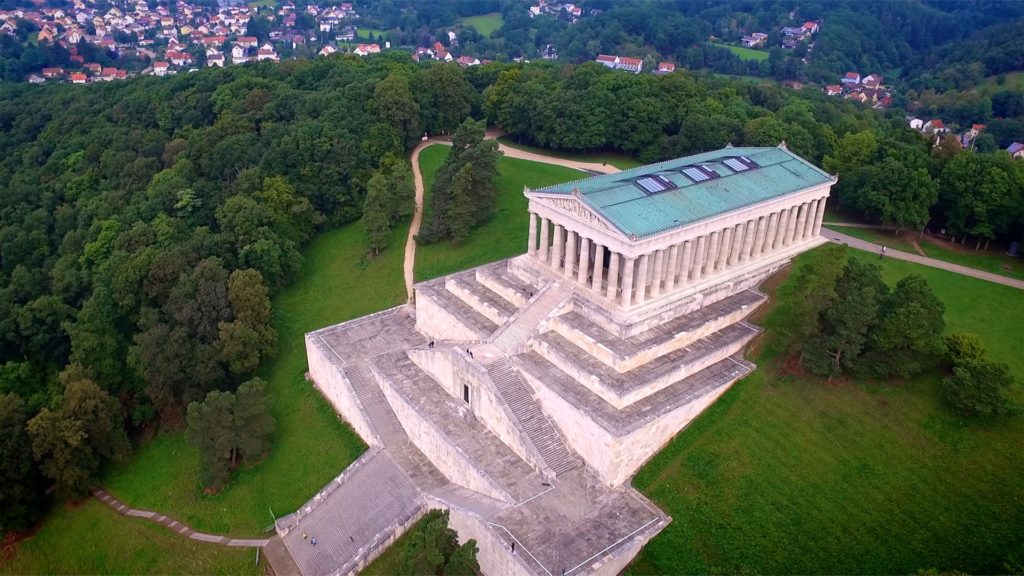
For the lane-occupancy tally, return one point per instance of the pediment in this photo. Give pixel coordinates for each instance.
(576, 209)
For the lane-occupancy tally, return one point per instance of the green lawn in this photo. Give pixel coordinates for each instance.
(1013, 81)
(364, 33)
(504, 234)
(485, 23)
(92, 539)
(263, 4)
(789, 474)
(616, 159)
(994, 261)
(744, 53)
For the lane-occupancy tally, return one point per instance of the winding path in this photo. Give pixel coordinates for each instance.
(409, 264)
(176, 526)
(924, 260)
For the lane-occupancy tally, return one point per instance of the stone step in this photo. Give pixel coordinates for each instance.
(629, 353)
(623, 389)
(372, 503)
(504, 283)
(622, 421)
(513, 337)
(473, 324)
(382, 418)
(447, 425)
(538, 428)
(480, 298)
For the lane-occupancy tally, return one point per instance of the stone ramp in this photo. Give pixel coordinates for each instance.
(373, 503)
(481, 298)
(531, 418)
(512, 338)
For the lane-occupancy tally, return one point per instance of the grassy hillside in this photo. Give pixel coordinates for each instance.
(790, 474)
(484, 23)
(744, 53)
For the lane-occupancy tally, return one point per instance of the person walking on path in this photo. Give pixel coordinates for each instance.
(882, 253)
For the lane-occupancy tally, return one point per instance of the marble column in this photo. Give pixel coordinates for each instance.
(558, 248)
(659, 271)
(748, 240)
(598, 267)
(801, 222)
(724, 245)
(673, 265)
(812, 212)
(762, 226)
(584, 261)
(685, 262)
(628, 269)
(737, 244)
(570, 253)
(544, 248)
(819, 217)
(773, 228)
(641, 279)
(531, 246)
(794, 215)
(780, 231)
(699, 257)
(613, 276)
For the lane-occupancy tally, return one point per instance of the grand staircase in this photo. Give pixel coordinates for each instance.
(513, 337)
(531, 418)
(365, 506)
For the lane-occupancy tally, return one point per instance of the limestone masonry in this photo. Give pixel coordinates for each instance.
(523, 395)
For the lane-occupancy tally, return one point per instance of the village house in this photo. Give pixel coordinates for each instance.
(1016, 150)
(851, 78)
(873, 81)
(366, 49)
(327, 50)
(238, 55)
(755, 40)
(665, 68)
(935, 126)
(160, 68)
(215, 58)
(78, 78)
(626, 63)
(833, 90)
(466, 61)
(266, 52)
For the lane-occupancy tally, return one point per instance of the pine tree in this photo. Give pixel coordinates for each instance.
(376, 214)
(460, 211)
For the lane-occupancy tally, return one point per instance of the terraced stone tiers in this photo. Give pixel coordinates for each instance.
(623, 389)
(625, 354)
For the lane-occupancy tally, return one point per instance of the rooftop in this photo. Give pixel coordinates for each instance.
(652, 199)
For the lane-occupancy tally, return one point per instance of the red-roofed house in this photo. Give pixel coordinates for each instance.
(266, 52)
(851, 78)
(247, 41)
(872, 81)
(160, 68)
(626, 63)
(468, 61)
(213, 41)
(811, 27)
(78, 78)
(833, 90)
(364, 49)
(53, 72)
(937, 126)
(665, 68)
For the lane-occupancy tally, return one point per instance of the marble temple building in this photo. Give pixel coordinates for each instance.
(523, 395)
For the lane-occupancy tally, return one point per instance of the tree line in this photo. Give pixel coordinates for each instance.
(144, 227)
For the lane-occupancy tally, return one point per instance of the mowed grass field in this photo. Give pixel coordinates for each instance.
(501, 236)
(993, 260)
(744, 53)
(92, 539)
(484, 23)
(791, 474)
(620, 161)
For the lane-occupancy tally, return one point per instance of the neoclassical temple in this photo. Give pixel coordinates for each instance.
(650, 233)
(523, 395)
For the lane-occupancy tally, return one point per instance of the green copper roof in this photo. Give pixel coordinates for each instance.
(670, 194)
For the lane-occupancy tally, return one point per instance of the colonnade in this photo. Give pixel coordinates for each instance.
(631, 281)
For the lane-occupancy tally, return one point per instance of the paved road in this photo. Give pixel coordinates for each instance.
(172, 524)
(932, 262)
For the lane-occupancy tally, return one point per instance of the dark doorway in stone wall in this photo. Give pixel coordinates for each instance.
(465, 393)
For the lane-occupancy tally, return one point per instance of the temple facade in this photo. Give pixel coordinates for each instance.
(523, 395)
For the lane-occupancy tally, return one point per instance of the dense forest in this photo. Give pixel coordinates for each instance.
(144, 225)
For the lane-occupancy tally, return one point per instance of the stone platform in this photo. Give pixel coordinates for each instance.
(504, 399)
